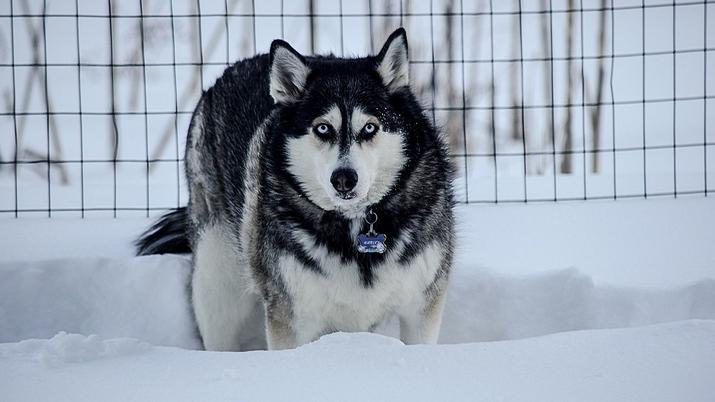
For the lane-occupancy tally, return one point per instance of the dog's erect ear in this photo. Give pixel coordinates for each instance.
(289, 73)
(392, 62)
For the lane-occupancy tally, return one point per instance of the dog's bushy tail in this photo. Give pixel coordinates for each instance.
(168, 235)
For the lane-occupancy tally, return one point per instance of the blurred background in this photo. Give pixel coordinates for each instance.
(540, 100)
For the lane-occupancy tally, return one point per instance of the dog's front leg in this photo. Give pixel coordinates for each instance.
(420, 322)
(284, 331)
(279, 331)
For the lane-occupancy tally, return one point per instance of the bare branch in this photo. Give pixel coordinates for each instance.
(113, 129)
(311, 12)
(566, 157)
(514, 81)
(596, 113)
(37, 35)
(548, 81)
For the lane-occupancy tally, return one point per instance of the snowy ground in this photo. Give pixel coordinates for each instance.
(616, 303)
(668, 362)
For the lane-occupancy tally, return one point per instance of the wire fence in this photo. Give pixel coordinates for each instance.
(540, 100)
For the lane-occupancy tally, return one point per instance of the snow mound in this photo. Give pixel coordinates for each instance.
(666, 362)
(73, 348)
(483, 305)
(355, 340)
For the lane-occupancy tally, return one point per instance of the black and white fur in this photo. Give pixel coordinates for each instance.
(285, 156)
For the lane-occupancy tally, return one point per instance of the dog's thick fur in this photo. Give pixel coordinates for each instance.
(272, 237)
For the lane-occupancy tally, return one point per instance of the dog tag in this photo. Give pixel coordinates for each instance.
(371, 242)
(367, 243)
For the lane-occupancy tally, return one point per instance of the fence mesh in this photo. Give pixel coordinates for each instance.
(540, 100)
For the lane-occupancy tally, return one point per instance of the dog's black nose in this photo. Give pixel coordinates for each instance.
(344, 179)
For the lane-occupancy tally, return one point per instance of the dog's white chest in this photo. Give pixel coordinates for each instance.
(337, 299)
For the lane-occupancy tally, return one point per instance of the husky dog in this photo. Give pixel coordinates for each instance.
(320, 201)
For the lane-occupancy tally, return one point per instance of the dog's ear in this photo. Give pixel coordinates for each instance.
(289, 73)
(392, 62)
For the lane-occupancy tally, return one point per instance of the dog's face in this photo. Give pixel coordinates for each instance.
(345, 132)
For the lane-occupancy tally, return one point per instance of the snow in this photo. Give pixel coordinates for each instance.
(616, 303)
(668, 362)
(144, 298)
(147, 298)
(73, 348)
(61, 237)
(655, 243)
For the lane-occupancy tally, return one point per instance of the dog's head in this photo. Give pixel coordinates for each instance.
(344, 121)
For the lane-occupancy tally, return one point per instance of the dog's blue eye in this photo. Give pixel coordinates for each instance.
(322, 129)
(369, 129)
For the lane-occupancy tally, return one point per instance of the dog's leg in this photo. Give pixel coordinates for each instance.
(282, 333)
(421, 323)
(221, 294)
(286, 331)
(279, 331)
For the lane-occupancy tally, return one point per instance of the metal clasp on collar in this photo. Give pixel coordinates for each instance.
(371, 221)
(371, 242)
